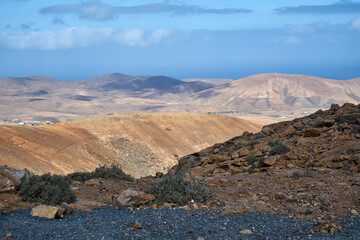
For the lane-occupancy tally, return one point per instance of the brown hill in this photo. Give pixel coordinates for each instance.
(281, 91)
(142, 144)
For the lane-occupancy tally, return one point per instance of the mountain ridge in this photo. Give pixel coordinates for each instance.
(267, 94)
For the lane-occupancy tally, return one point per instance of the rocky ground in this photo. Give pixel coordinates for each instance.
(297, 179)
(110, 223)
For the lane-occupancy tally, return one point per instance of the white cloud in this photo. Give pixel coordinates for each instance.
(76, 37)
(355, 23)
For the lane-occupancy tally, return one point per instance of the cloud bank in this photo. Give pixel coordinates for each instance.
(97, 11)
(342, 7)
(81, 37)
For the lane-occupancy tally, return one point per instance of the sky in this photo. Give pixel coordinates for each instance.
(75, 40)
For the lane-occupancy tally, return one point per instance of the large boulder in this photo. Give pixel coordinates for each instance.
(132, 198)
(46, 211)
(10, 178)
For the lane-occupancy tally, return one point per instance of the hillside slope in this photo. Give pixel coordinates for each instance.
(142, 144)
(281, 91)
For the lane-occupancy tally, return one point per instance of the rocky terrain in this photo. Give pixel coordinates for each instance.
(142, 144)
(37, 98)
(306, 170)
(307, 166)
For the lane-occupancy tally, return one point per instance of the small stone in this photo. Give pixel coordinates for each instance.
(312, 132)
(332, 231)
(196, 206)
(267, 130)
(8, 235)
(200, 238)
(324, 231)
(290, 165)
(92, 182)
(67, 209)
(354, 212)
(136, 225)
(239, 210)
(246, 231)
(187, 208)
(281, 195)
(234, 155)
(298, 125)
(129, 198)
(308, 211)
(270, 161)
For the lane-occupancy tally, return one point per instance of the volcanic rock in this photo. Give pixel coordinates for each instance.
(10, 178)
(132, 198)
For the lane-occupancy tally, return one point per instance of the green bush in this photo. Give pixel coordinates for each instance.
(47, 189)
(105, 172)
(174, 189)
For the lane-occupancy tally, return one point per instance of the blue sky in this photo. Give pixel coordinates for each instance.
(73, 40)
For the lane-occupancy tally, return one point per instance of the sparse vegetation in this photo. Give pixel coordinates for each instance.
(47, 189)
(349, 119)
(173, 188)
(251, 159)
(105, 172)
(356, 129)
(317, 114)
(301, 174)
(253, 163)
(278, 148)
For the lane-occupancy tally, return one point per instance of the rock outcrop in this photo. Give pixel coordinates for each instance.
(132, 198)
(325, 139)
(10, 179)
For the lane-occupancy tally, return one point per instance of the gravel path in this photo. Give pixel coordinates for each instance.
(109, 223)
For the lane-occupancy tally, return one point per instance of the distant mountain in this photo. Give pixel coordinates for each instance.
(30, 82)
(280, 91)
(37, 97)
(162, 84)
(214, 81)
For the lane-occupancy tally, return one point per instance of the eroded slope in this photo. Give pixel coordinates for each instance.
(142, 144)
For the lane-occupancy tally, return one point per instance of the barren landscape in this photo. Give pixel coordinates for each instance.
(263, 96)
(301, 175)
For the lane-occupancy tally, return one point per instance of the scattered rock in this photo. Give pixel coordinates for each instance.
(136, 225)
(67, 209)
(312, 132)
(93, 182)
(132, 198)
(8, 235)
(267, 130)
(271, 160)
(281, 195)
(246, 231)
(46, 211)
(354, 212)
(10, 179)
